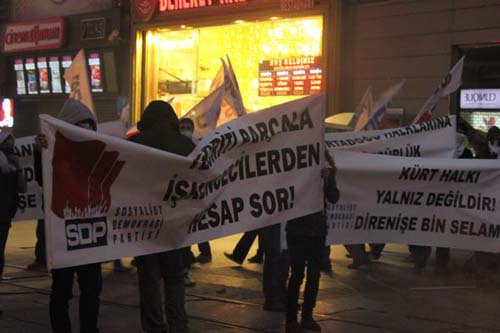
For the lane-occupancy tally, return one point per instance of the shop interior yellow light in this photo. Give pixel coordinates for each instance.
(184, 62)
(274, 18)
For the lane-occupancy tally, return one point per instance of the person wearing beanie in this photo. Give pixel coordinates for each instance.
(159, 128)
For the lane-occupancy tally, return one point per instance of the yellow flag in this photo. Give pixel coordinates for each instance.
(78, 79)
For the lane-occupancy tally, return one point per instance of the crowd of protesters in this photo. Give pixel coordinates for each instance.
(283, 270)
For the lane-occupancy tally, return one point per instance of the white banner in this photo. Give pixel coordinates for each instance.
(30, 203)
(435, 138)
(421, 201)
(104, 201)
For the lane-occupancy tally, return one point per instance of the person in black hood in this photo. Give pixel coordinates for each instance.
(89, 276)
(159, 128)
(306, 238)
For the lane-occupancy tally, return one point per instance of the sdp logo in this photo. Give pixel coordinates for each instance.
(86, 233)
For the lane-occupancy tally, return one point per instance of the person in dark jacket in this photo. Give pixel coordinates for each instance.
(306, 242)
(89, 276)
(12, 182)
(159, 128)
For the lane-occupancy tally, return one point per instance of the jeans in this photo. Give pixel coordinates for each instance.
(4, 234)
(90, 282)
(422, 253)
(151, 270)
(304, 251)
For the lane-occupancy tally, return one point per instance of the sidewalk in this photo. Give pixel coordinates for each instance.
(387, 297)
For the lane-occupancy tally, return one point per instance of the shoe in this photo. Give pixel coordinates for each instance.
(6, 278)
(292, 327)
(203, 259)
(231, 257)
(121, 269)
(409, 258)
(274, 307)
(188, 282)
(310, 325)
(37, 266)
(374, 256)
(256, 259)
(356, 263)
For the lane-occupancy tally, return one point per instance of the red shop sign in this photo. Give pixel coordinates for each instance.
(33, 35)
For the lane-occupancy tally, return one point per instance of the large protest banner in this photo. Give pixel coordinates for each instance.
(435, 138)
(30, 203)
(421, 201)
(106, 198)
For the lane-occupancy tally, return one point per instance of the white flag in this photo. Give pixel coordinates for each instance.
(380, 108)
(364, 109)
(449, 84)
(206, 113)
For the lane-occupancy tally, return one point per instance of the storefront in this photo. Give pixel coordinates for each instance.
(37, 53)
(479, 99)
(280, 50)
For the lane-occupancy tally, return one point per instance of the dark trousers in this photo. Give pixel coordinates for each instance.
(243, 246)
(275, 265)
(151, 271)
(90, 282)
(303, 251)
(204, 249)
(40, 242)
(4, 234)
(357, 251)
(422, 253)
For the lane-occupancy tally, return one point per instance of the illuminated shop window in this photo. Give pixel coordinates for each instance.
(275, 61)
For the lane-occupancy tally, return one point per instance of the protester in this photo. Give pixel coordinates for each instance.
(159, 128)
(243, 246)
(89, 276)
(275, 271)
(482, 264)
(306, 237)
(12, 182)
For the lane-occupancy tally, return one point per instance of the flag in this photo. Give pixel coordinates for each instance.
(77, 77)
(235, 90)
(380, 108)
(449, 84)
(206, 113)
(218, 80)
(363, 111)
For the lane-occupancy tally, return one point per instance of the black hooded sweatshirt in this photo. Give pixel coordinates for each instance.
(159, 128)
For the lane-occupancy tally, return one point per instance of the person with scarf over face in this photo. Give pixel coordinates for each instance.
(159, 128)
(12, 182)
(306, 237)
(89, 276)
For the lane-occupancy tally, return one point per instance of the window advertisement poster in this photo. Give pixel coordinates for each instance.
(66, 62)
(95, 72)
(20, 78)
(43, 75)
(6, 113)
(55, 73)
(31, 73)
